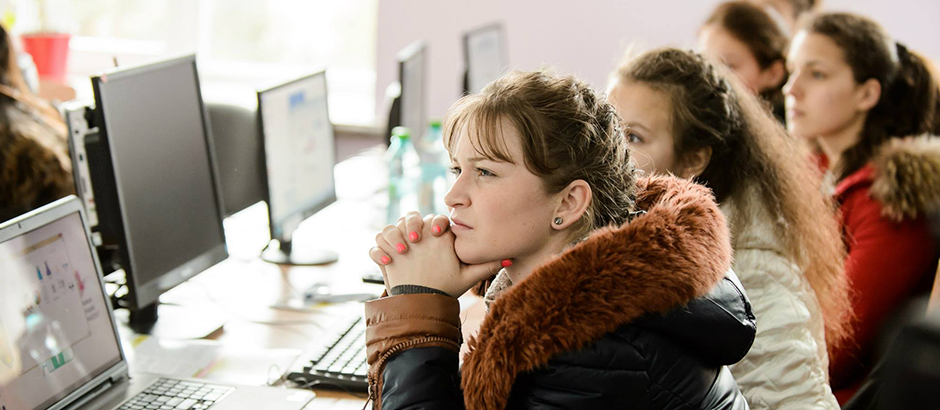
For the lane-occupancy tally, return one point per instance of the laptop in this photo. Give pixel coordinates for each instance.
(59, 345)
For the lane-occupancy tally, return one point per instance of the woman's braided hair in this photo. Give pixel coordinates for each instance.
(705, 110)
(751, 151)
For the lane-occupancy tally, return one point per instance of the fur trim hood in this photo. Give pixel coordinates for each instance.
(658, 262)
(906, 177)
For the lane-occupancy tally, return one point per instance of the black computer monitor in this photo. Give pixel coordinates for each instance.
(409, 108)
(239, 154)
(155, 183)
(485, 57)
(299, 155)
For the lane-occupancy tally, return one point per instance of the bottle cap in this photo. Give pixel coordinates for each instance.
(401, 132)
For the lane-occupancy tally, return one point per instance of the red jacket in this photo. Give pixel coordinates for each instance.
(891, 253)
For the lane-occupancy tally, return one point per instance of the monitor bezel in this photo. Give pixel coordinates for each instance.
(504, 53)
(142, 295)
(410, 51)
(305, 213)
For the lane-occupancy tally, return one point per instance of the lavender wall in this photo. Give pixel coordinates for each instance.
(584, 38)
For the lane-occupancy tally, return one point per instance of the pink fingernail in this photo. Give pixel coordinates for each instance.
(400, 247)
(413, 236)
(385, 260)
(506, 263)
(436, 229)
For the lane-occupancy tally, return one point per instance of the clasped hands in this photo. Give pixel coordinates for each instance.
(420, 251)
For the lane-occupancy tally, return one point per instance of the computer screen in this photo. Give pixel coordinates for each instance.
(56, 332)
(166, 190)
(484, 56)
(299, 153)
(412, 74)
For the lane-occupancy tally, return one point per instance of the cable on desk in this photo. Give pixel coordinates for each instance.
(277, 371)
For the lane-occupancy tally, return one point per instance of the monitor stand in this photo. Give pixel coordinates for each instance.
(282, 253)
(176, 322)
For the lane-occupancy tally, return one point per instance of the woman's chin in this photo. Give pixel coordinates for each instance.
(470, 256)
(799, 130)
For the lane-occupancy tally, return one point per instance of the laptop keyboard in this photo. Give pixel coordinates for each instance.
(340, 361)
(167, 394)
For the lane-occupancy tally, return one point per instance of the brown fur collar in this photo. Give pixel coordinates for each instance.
(907, 176)
(676, 252)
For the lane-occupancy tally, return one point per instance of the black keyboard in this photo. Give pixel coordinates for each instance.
(165, 394)
(338, 361)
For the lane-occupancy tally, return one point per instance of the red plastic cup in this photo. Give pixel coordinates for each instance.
(50, 52)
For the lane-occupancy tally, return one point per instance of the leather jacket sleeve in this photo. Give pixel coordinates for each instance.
(412, 343)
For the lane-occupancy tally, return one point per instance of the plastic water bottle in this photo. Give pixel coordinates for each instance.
(434, 165)
(403, 174)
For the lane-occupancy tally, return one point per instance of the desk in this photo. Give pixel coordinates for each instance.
(243, 288)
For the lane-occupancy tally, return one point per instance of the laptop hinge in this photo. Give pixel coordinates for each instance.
(95, 392)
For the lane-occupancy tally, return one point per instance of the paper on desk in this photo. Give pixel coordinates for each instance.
(180, 358)
(207, 359)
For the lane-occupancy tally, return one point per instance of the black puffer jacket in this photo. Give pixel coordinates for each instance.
(583, 332)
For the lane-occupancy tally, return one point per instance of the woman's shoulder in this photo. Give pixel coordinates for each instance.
(902, 181)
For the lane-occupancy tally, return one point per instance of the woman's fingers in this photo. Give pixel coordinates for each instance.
(393, 236)
(379, 257)
(383, 245)
(439, 224)
(412, 226)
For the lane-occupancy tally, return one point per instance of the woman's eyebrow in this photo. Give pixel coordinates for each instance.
(639, 126)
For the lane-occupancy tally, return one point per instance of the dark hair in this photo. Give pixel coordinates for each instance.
(935, 73)
(908, 103)
(766, 41)
(752, 151)
(10, 74)
(35, 168)
(14, 91)
(568, 133)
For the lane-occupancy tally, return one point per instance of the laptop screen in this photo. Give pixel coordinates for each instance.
(55, 326)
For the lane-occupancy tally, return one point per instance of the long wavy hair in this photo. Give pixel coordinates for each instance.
(751, 150)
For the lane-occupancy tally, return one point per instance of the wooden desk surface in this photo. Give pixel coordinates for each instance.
(243, 288)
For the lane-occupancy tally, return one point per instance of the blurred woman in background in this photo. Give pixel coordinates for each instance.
(743, 37)
(35, 168)
(685, 117)
(864, 99)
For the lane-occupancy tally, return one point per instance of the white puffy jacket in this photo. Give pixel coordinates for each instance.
(787, 367)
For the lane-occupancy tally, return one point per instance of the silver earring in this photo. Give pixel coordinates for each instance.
(557, 220)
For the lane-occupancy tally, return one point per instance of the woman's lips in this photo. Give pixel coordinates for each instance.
(459, 226)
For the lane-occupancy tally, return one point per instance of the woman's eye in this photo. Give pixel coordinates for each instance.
(633, 138)
(485, 172)
(818, 75)
(455, 171)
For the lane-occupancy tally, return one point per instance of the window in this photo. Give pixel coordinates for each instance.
(241, 44)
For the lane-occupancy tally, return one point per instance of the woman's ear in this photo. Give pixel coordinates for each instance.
(695, 162)
(574, 201)
(867, 94)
